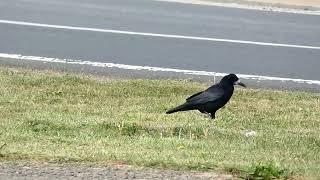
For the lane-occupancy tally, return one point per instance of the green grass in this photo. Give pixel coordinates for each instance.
(55, 117)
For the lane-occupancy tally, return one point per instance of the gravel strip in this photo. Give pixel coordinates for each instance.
(311, 7)
(17, 171)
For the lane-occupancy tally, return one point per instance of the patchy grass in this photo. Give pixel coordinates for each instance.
(58, 117)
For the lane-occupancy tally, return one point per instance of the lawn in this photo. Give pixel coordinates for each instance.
(56, 117)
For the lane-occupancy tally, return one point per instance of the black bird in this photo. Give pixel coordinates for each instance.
(212, 99)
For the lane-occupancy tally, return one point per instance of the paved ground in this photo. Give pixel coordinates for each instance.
(167, 19)
(30, 171)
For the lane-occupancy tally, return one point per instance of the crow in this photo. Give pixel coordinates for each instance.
(211, 99)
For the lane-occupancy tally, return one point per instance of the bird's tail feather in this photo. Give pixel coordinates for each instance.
(183, 107)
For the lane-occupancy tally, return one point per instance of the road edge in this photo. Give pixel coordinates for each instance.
(253, 5)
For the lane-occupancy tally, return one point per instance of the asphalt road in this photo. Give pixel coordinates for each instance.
(165, 18)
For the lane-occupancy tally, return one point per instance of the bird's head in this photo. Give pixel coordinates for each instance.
(232, 79)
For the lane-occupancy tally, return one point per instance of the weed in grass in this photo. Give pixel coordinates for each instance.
(267, 171)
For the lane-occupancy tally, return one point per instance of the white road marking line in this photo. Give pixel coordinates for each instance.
(150, 68)
(22, 23)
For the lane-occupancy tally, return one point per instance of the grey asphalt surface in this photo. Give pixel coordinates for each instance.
(51, 171)
(166, 18)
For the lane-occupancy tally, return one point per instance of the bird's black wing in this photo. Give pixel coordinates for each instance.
(196, 94)
(208, 95)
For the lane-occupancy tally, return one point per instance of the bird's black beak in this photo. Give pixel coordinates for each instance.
(240, 84)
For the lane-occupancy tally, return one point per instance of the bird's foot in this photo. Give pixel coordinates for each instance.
(207, 115)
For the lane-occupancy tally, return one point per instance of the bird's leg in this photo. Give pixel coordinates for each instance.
(212, 122)
(212, 116)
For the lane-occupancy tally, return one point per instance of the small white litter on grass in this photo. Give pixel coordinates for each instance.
(250, 133)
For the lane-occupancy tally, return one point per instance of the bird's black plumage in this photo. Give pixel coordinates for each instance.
(212, 99)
